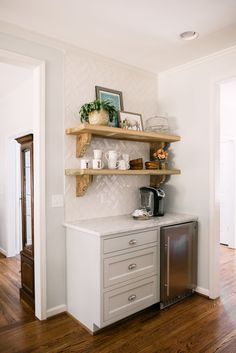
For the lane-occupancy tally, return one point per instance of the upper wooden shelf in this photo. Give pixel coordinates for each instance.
(78, 172)
(121, 134)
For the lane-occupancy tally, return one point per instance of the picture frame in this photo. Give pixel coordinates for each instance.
(115, 97)
(130, 121)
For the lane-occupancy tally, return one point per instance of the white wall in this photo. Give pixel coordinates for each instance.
(109, 195)
(16, 118)
(188, 95)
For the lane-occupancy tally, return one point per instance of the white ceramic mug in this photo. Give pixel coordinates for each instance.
(84, 163)
(112, 164)
(112, 155)
(97, 163)
(97, 154)
(122, 164)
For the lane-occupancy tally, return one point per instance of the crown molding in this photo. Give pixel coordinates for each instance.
(202, 60)
(20, 32)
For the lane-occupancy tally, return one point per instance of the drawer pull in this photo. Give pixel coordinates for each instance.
(132, 298)
(132, 266)
(132, 242)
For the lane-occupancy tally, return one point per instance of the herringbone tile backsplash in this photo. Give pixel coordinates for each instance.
(108, 195)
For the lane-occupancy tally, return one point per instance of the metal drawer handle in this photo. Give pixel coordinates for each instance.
(132, 266)
(132, 297)
(132, 242)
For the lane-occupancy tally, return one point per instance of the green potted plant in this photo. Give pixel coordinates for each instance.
(97, 112)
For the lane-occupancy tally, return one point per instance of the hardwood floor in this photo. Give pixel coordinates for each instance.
(196, 325)
(2, 256)
(12, 311)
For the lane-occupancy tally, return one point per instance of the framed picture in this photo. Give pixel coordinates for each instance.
(131, 121)
(115, 97)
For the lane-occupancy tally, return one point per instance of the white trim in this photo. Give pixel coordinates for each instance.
(202, 291)
(39, 194)
(17, 200)
(214, 190)
(58, 44)
(199, 61)
(42, 39)
(56, 310)
(39, 174)
(2, 251)
(18, 59)
(11, 197)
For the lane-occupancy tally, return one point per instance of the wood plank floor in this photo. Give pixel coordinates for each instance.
(194, 325)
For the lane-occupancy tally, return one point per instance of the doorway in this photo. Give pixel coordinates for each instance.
(9, 243)
(227, 192)
(227, 185)
(227, 163)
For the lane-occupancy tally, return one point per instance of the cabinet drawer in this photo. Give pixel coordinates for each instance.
(128, 266)
(129, 299)
(130, 241)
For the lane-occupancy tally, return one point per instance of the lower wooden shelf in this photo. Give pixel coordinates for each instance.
(84, 176)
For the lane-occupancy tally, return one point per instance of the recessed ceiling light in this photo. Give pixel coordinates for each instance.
(189, 35)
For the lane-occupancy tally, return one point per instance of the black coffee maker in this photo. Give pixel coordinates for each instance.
(152, 199)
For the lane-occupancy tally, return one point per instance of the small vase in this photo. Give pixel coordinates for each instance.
(163, 164)
(98, 117)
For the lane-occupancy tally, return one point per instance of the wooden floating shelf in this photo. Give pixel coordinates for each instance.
(79, 172)
(84, 132)
(84, 177)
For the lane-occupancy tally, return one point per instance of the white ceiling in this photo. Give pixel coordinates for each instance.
(11, 77)
(142, 33)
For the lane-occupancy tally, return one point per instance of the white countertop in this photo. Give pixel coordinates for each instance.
(120, 224)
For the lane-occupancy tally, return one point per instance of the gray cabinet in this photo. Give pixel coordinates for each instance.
(113, 265)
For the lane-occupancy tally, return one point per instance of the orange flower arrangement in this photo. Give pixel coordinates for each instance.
(160, 154)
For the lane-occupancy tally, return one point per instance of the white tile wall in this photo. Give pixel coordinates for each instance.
(109, 195)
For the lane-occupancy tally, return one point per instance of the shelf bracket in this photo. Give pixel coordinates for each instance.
(82, 184)
(82, 141)
(157, 180)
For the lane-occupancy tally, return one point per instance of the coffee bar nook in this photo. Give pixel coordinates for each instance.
(126, 263)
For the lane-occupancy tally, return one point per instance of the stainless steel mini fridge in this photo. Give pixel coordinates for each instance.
(178, 262)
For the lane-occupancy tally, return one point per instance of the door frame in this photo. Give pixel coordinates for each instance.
(38, 67)
(214, 188)
(231, 145)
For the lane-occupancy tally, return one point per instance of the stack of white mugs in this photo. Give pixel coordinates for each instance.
(115, 160)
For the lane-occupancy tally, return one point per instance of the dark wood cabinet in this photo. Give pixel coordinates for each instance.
(27, 279)
(27, 214)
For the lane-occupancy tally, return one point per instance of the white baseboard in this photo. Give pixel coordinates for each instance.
(56, 310)
(202, 291)
(3, 252)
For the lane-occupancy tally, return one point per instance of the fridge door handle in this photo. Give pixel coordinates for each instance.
(168, 267)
